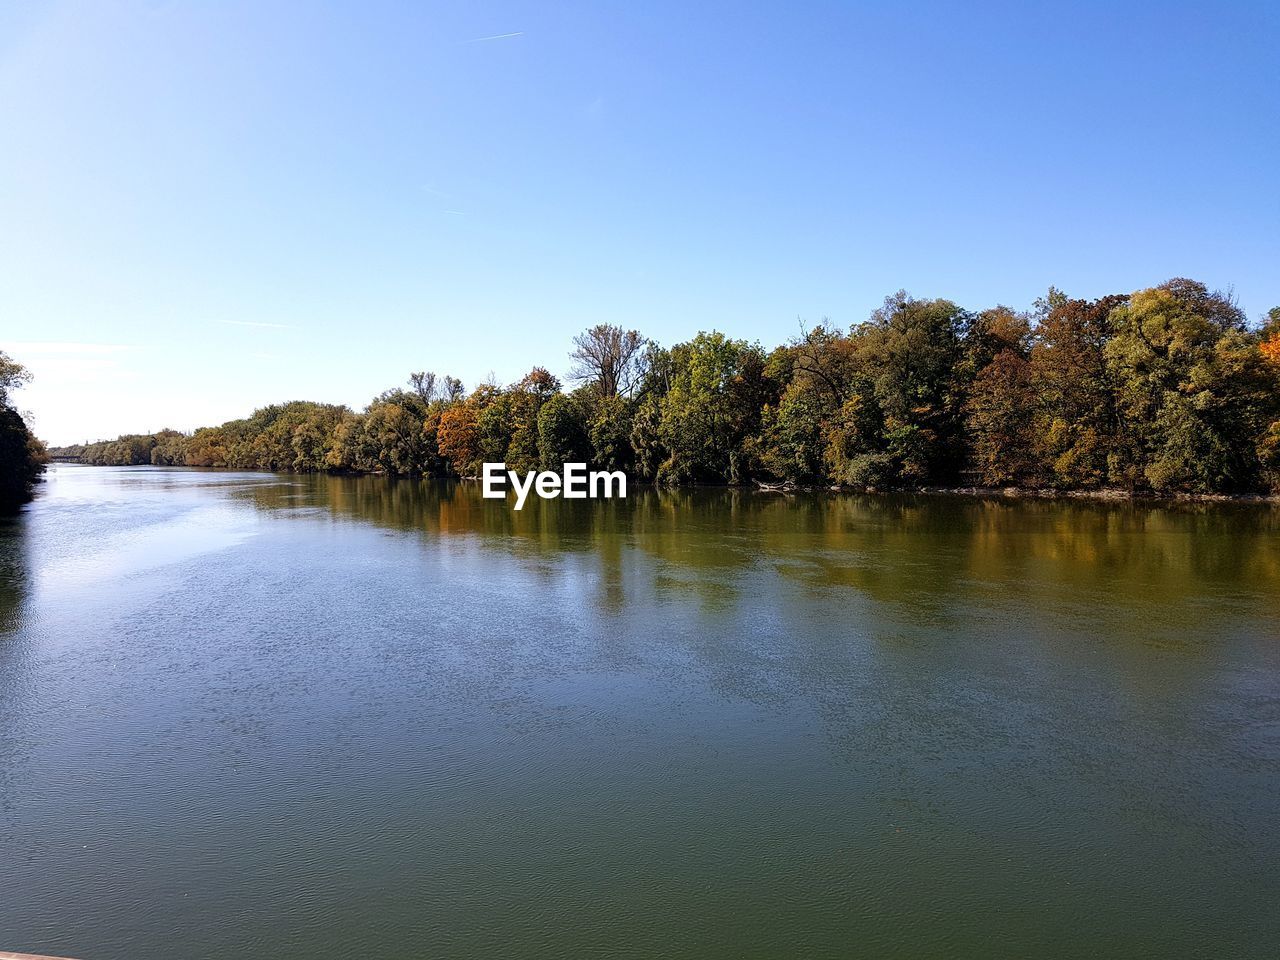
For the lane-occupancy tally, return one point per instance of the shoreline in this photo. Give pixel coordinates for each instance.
(1104, 494)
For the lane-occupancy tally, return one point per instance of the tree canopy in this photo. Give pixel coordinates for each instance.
(22, 456)
(1166, 390)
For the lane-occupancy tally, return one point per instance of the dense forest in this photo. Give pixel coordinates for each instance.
(1167, 390)
(22, 456)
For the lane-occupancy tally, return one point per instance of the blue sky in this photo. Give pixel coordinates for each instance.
(206, 207)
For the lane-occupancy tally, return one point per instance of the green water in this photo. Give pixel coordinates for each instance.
(246, 715)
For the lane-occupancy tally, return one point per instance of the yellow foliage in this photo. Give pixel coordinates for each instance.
(1271, 349)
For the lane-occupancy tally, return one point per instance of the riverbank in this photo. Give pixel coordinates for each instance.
(1111, 494)
(1031, 493)
(1036, 493)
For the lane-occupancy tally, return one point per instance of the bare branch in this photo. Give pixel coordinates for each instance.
(608, 357)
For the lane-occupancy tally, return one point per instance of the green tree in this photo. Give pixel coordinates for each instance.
(1168, 389)
(522, 403)
(912, 349)
(22, 456)
(394, 437)
(170, 449)
(1192, 389)
(610, 421)
(713, 400)
(562, 432)
(792, 440)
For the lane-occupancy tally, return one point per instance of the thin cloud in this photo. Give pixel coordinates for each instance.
(255, 323)
(497, 36)
(456, 213)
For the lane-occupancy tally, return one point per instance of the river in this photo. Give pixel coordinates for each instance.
(280, 716)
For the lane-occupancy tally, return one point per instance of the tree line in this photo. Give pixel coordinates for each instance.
(1168, 389)
(22, 456)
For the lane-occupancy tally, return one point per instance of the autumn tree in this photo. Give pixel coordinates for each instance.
(170, 449)
(1269, 337)
(1075, 387)
(857, 447)
(207, 448)
(459, 439)
(1167, 389)
(1269, 443)
(1001, 412)
(1192, 389)
(822, 360)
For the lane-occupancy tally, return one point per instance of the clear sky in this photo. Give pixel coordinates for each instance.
(207, 207)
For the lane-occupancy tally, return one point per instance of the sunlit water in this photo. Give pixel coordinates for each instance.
(247, 715)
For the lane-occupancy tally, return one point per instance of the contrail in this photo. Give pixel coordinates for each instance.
(500, 36)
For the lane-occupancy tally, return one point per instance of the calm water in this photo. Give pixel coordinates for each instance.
(266, 716)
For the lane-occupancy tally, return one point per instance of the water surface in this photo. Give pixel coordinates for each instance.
(260, 715)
